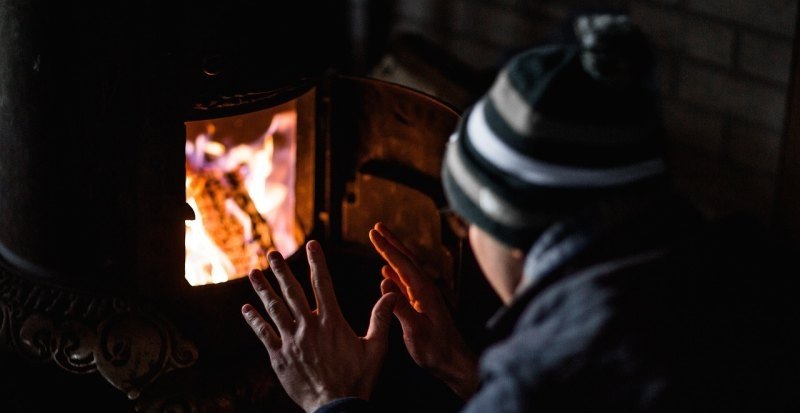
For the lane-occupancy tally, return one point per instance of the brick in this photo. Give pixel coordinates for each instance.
(561, 9)
(743, 98)
(687, 126)
(766, 56)
(515, 4)
(755, 148)
(477, 56)
(720, 189)
(668, 2)
(697, 176)
(496, 24)
(666, 73)
(410, 10)
(776, 16)
(689, 34)
(743, 191)
(566, 4)
(421, 11)
(558, 12)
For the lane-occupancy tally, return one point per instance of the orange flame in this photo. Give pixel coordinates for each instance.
(243, 200)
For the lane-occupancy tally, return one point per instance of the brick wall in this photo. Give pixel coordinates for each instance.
(724, 69)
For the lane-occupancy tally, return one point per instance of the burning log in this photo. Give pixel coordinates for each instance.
(230, 218)
(259, 227)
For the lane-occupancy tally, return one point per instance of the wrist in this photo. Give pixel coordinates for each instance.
(348, 404)
(334, 395)
(460, 373)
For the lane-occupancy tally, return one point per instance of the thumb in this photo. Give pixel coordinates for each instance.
(402, 308)
(381, 319)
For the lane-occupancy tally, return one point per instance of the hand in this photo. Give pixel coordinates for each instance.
(429, 332)
(315, 354)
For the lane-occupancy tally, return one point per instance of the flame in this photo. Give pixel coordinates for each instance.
(243, 200)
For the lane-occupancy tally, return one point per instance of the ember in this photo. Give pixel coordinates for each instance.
(242, 192)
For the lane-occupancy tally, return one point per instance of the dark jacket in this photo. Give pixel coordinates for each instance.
(638, 308)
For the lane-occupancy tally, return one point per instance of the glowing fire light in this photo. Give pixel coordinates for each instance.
(243, 199)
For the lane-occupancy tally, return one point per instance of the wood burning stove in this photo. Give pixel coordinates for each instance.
(362, 151)
(115, 150)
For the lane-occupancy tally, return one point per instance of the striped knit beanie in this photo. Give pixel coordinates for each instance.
(562, 127)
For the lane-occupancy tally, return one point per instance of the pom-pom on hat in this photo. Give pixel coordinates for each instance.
(563, 126)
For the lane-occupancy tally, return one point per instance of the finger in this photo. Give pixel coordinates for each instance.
(292, 291)
(394, 256)
(403, 309)
(390, 274)
(261, 327)
(381, 319)
(407, 316)
(275, 307)
(389, 286)
(408, 272)
(395, 286)
(321, 280)
(389, 236)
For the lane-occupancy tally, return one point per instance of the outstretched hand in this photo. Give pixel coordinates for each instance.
(315, 354)
(429, 332)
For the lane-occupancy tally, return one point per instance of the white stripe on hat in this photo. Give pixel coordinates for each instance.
(536, 172)
(515, 110)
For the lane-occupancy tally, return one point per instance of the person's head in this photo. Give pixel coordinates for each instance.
(563, 127)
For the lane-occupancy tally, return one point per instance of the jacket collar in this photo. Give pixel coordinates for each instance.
(606, 231)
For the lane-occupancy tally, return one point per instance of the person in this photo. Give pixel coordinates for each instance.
(558, 174)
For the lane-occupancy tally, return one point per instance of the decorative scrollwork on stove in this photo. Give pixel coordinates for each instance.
(129, 346)
(4, 316)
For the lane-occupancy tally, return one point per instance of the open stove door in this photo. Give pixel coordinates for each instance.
(386, 147)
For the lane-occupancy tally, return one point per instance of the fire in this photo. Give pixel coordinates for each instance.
(243, 199)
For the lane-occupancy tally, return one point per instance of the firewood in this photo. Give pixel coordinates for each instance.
(262, 233)
(211, 193)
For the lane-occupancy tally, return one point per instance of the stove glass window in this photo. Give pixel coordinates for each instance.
(240, 184)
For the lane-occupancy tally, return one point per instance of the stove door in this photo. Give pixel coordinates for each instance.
(387, 144)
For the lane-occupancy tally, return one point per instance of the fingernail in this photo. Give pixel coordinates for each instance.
(312, 246)
(254, 276)
(246, 309)
(274, 258)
